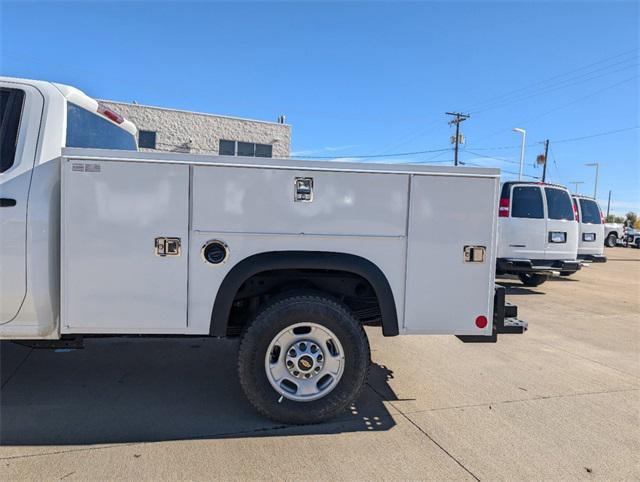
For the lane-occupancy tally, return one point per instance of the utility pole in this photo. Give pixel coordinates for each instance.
(576, 184)
(609, 203)
(544, 167)
(458, 119)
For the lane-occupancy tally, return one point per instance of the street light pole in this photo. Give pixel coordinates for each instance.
(595, 187)
(524, 136)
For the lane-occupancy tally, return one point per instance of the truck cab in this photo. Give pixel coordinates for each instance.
(591, 238)
(38, 120)
(537, 232)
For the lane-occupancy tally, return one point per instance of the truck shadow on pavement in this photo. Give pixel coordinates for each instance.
(128, 390)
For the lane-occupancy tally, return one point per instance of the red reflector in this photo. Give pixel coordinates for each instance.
(481, 321)
(575, 210)
(109, 114)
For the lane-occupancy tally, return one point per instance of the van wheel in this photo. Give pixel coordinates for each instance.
(611, 240)
(303, 359)
(532, 279)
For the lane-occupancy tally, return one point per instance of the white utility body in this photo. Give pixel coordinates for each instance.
(120, 242)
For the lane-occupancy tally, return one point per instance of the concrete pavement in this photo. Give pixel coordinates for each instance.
(560, 402)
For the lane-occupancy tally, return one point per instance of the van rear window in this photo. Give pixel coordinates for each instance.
(86, 129)
(590, 212)
(526, 202)
(559, 204)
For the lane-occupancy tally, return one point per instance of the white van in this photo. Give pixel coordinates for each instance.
(537, 232)
(591, 234)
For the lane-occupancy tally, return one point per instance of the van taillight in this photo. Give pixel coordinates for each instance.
(575, 211)
(503, 210)
(109, 114)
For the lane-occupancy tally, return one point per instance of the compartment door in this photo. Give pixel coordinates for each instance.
(445, 292)
(116, 277)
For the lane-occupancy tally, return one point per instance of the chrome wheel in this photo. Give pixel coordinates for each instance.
(304, 362)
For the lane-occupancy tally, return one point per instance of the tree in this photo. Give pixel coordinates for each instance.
(632, 218)
(612, 218)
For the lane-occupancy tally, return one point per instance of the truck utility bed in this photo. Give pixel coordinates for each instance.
(115, 205)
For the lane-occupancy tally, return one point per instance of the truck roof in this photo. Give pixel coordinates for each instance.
(292, 164)
(73, 95)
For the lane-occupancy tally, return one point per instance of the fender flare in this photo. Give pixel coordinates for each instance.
(276, 260)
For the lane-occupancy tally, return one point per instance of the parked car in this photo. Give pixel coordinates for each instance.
(591, 233)
(538, 232)
(613, 234)
(291, 256)
(632, 237)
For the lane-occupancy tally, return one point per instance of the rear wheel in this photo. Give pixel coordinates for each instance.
(532, 279)
(303, 359)
(611, 240)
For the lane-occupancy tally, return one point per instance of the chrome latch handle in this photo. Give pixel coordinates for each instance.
(168, 246)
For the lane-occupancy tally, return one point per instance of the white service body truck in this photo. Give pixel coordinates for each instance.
(291, 256)
(613, 234)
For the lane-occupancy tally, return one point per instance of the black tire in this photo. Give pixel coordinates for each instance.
(532, 279)
(566, 273)
(611, 240)
(268, 323)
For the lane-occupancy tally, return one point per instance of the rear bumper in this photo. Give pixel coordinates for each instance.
(517, 265)
(594, 258)
(505, 320)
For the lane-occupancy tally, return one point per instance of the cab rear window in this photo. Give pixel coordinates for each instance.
(590, 211)
(526, 202)
(86, 129)
(11, 101)
(559, 204)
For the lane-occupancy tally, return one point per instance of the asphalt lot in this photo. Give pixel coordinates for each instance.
(561, 402)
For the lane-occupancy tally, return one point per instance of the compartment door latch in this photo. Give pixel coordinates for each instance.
(474, 254)
(303, 189)
(167, 246)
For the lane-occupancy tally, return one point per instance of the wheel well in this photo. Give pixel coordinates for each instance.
(349, 288)
(350, 279)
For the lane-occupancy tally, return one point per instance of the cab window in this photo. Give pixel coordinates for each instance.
(526, 202)
(559, 204)
(11, 102)
(86, 129)
(590, 212)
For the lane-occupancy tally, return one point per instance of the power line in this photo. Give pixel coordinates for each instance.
(599, 134)
(551, 88)
(544, 81)
(575, 101)
(491, 157)
(367, 156)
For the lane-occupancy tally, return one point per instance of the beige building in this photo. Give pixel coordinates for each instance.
(161, 129)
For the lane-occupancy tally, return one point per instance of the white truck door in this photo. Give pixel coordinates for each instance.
(591, 227)
(561, 237)
(20, 114)
(522, 234)
(446, 292)
(124, 246)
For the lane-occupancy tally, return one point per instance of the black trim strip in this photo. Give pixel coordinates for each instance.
(303, 260)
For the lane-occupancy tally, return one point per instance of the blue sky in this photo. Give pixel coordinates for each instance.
(356, 78)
